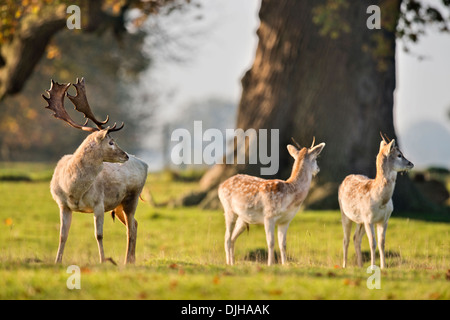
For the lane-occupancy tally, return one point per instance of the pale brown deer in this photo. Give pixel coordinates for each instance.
(98, 177)
(368, 202)
(251, 200)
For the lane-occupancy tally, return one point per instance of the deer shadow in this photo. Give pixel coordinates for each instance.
(261, 255)
(393, 258)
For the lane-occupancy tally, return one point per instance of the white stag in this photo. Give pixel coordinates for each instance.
(98, 177)
(251, 200)
(367, 202)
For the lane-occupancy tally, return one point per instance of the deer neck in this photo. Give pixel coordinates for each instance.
(301, 175)
(384, 181)
(86, 163)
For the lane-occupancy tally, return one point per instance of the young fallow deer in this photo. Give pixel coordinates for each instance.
(98, 177)
(367, 202)
(250, 200)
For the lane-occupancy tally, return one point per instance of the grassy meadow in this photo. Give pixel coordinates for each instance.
(180, 252)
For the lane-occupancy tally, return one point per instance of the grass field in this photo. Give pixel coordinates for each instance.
(180, 253)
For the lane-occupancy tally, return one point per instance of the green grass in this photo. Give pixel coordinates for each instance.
(180, 254)
(25, 171)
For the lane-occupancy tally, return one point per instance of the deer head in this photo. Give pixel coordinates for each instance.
(393, 156)
(309, 154)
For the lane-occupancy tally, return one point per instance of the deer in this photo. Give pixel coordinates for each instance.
(252, 200)
(98, 177)
(368, 202)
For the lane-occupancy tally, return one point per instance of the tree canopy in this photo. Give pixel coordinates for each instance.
(36, 46)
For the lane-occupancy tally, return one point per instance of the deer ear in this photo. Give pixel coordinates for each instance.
(293, 151)
(317, 149)
(102, 135)
(391, 145)
(382, 144)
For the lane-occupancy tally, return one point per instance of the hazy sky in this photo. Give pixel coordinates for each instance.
(422, 108)
(222, 48)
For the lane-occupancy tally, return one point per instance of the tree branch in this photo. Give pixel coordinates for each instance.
(24, 51)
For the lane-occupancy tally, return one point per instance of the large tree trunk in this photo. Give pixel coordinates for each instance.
(340, 90)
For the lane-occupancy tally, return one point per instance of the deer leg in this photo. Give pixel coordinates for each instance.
(130, 209)
(240, 226)
(65, 216)
(282, 232)
(98, 226)
(132, 225)
(372, 242)
(347, 226)
(357, 239)
(230, 220)
(269, 226)
(381, 231)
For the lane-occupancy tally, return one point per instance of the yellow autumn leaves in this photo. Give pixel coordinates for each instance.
(8, 222)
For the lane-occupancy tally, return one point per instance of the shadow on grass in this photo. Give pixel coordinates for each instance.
(261, 255)
(442, 215)
(393, 258)
(388, 255)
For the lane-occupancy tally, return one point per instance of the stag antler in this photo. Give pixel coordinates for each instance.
(56, 104)
(314, 141)
(296, 143)
(385, 137)
(81, 104)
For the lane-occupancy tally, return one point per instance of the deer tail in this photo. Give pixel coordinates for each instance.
(118, 212)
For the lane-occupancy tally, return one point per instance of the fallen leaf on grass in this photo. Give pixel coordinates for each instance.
(351, 282)
(435, 295)
(85, 270)
(275, 292)
(173, 284)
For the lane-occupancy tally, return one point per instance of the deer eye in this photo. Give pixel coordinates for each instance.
(111, 143)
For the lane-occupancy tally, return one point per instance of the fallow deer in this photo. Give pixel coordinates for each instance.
(98, 177)
(251, 200)
(368, 202)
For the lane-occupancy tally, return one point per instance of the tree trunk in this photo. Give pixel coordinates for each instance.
(338, 89)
